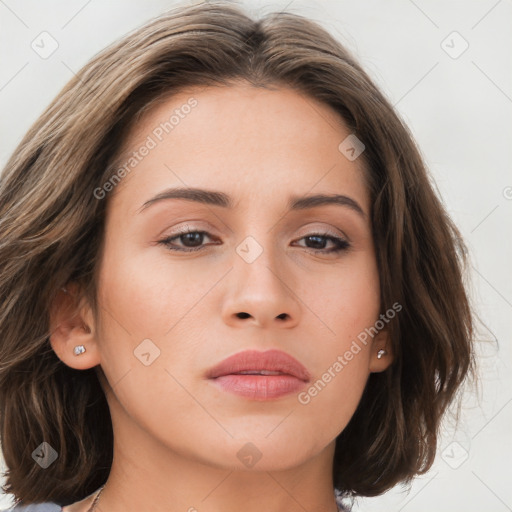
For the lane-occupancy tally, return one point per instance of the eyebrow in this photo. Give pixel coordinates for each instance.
(223, 200)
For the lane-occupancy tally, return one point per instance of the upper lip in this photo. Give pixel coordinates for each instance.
(271, 360)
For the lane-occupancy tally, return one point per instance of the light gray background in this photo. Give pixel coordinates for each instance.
(459, 112)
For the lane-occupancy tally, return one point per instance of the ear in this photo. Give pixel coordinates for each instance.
(381, 355)
(71, 326)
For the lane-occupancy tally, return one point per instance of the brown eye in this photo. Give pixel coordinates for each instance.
(190, 240)
(318, 241)
(193, 241)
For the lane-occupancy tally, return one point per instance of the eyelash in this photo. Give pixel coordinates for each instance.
(341, 244)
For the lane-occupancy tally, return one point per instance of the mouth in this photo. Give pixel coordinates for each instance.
(260, 375)
(260, 372)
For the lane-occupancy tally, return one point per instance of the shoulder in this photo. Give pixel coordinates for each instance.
(48, 506)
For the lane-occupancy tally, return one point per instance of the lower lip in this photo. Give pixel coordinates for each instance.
(260, 387)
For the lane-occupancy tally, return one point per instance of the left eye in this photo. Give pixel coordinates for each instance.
(196, 238)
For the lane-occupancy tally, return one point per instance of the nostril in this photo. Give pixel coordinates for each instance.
(242, 315)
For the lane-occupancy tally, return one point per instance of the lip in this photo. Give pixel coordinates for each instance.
(288, 375)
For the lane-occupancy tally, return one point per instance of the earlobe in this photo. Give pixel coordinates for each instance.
(71, 338)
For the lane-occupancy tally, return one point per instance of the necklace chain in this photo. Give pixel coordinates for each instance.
(95, 502)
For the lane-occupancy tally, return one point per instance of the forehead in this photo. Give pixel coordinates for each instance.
(240, 138)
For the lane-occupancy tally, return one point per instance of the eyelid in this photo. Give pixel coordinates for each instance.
(187, 226)
(309, 230)
(336, 232)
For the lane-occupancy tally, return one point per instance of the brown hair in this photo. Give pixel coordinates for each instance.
(51, 231)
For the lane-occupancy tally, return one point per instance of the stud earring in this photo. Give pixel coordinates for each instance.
(79, 349)
(380, 353)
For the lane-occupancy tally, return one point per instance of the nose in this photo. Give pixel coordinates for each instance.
(261, 292)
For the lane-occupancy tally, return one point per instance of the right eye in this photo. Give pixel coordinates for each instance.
(195, 238)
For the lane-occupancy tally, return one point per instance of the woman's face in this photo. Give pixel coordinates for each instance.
(256, 274)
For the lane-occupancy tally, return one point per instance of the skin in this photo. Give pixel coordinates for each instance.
(177, 435)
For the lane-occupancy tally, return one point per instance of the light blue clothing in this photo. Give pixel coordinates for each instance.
(48, 506)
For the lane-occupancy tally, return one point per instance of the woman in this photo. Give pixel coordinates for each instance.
(226, 280)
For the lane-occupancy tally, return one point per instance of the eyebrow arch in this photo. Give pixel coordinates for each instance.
(217, 198)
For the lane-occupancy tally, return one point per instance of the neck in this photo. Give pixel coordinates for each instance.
(148, 475)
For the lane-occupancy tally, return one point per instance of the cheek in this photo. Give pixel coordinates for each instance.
(349, 304)
(342, 371)
(149, 293)
(335, 391)
(154, 306)
(144, 320)
(347, 300)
